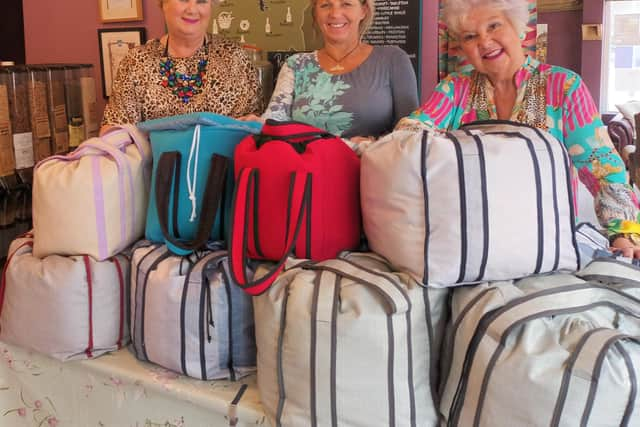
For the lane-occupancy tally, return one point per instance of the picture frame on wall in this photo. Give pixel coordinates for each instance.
(559, 5)
(114, 44)
(120, 10)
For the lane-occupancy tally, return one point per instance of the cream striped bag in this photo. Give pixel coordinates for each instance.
(93, 201)
(491, 201)
(66, 307)
(348, 342)
(555, 350)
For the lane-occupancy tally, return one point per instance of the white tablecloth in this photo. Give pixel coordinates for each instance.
(114, 390)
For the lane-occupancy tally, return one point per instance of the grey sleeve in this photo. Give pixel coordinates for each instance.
(404, 86)
(279, 107)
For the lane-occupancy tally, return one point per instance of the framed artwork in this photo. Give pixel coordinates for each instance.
(559, 5)
(120, 10)
(114, 45)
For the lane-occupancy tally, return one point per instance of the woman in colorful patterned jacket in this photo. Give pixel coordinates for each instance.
(507, 85)
(348, 87)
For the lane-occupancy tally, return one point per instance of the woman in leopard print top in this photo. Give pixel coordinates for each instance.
(220, 77)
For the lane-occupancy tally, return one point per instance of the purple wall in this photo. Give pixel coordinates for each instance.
(67, 31)
(564, 38)
(593, 13)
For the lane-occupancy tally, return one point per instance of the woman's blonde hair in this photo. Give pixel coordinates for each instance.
(516, 11)
(365, 24)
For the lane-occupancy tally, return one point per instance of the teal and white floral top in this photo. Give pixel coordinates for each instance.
(367, 101)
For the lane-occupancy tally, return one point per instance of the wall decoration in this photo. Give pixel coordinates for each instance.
(542, 42)
(559, 5)
(120, 10)
(114, 45)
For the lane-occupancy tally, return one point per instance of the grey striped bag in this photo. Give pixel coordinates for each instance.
(490, 201)
(346, 342)
(555, 350)
(187, 315)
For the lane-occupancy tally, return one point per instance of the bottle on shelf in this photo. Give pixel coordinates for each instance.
(38, 112)
(73, 102)
(57, 109)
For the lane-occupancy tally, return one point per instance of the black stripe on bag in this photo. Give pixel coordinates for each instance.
(566, 377)
(633, 381)
(134, 303)
(485, 206)
(390, 382)
(256, 238)
(434, 372)
(280, 365)
(412, 397)
(597, 369)
(176, 191)
(463, 207)
(144, 299)
(572, 213)
(183, 309)
(554, 186)
(334, 349)
(425, 191)
(312, 351)
(308, 215)
(227, 288)
(536, 171)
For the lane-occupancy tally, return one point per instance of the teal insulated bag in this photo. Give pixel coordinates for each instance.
(192, 178)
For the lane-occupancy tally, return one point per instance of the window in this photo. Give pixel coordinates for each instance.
(621, 57)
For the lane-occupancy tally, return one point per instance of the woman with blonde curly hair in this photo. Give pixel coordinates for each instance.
(347, 87)
(507, 85)
(187, 70)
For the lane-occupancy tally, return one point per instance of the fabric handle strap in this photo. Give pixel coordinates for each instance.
(167, 164)
(299, 198)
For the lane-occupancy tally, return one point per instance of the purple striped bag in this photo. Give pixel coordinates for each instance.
(92, 201)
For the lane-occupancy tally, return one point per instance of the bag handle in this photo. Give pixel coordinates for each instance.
(586, 362)
(389, 287)
(299, 198)
(168, 163)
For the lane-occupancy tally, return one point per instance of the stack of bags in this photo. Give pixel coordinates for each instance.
(475, 306)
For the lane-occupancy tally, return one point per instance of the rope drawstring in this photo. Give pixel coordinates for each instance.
(191, 184)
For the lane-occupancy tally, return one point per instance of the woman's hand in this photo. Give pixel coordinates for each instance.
(251, 118)
(625, 247)
(361, 139)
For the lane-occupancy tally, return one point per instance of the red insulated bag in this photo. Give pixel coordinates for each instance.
(297, 191)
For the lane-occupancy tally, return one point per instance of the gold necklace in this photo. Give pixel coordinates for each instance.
(338, 66)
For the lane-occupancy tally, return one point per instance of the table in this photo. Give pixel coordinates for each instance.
(115, 390)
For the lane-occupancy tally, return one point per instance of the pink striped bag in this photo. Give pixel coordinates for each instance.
(92, 201)
(66, 307)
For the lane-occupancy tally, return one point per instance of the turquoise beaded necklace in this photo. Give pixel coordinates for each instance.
(183, 85)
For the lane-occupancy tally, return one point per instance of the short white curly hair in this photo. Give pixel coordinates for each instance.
(516, 11)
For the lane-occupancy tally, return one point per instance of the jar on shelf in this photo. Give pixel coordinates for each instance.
(57, 109)
(89, 106)
(265, 72)
(73, 102)
(7, 156)
(20, 117)
(38, 108)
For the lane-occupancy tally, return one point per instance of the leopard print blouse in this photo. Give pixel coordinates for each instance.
(231, 88)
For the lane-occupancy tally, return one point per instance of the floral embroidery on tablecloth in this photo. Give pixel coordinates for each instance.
(43, 411)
